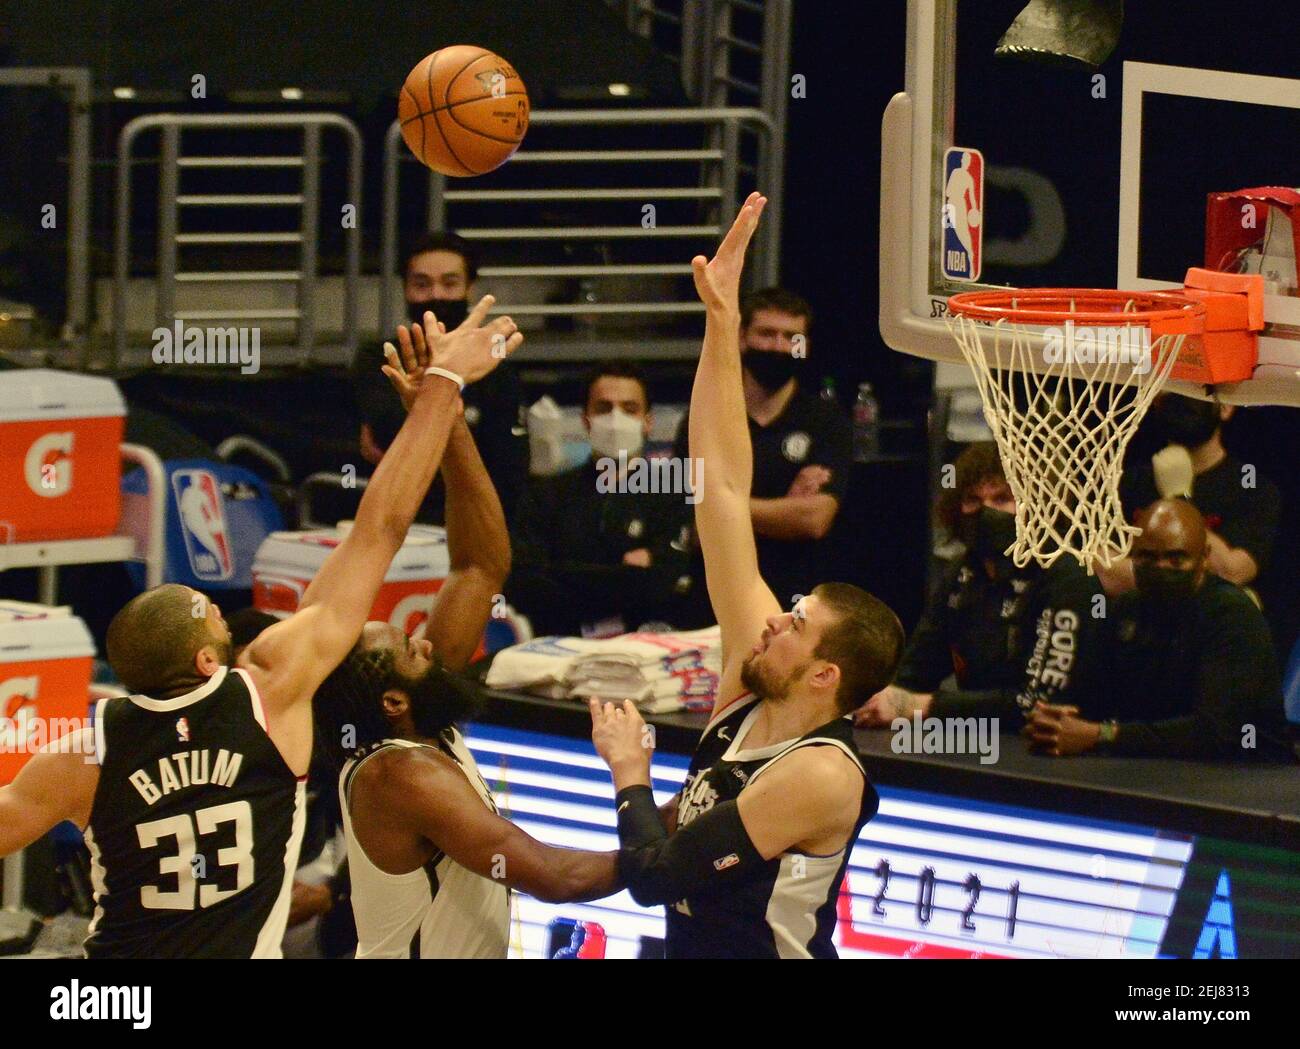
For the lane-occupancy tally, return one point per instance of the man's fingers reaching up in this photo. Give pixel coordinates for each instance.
(738, 237)
(479, 312)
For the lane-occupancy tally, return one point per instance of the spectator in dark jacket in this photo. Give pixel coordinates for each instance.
(1008, 637)
(1192, 671)
(605, 547)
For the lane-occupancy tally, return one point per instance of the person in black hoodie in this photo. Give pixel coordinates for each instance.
(1192, 671)
(1009, 637)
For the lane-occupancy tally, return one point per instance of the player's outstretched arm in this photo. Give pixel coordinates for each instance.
(291, 659)
(478, 542)
(719, 437)
(57, 784)
(430, 795)
(478, 545)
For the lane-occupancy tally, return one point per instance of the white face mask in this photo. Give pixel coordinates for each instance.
(616, 432)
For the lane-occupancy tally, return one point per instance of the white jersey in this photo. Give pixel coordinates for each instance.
(440, 910)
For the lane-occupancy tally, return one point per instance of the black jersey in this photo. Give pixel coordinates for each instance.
(788, 908)
(195, 829)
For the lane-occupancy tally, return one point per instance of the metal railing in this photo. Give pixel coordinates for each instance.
(709, 176)
(730, 52)
(709, 39)
(75, 82)
(171, 237)
(676, 28)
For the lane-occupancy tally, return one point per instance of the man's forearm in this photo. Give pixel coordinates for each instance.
(571, 876)
(400, 482)
(476, 524)
(719, 429)
(793, 517)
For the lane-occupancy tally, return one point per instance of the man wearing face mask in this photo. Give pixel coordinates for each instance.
(803, 446)
(1011, 637)
(1241, 521)
(1192, 672)
(439, 274)
(594, 552)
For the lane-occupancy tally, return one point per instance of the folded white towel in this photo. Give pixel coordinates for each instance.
(658, 672)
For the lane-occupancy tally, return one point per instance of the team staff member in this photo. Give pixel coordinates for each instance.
(209, 757)
(802, 445)
(439, 273)
(431, 862)
(750, 854)
(1011, 636)
(1241, 522)
(1193, 671)
(595, 552)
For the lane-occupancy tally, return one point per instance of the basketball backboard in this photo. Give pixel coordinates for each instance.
(1002, 171)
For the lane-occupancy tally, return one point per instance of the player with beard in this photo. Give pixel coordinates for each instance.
(750, 855)
(430, 860)
(192, 790)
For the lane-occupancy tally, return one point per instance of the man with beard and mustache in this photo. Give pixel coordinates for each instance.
(1010, 637)
(431, 862)
(750, 854)
(1241, 518)
(439, 273)
(192, 790)
(1192, 671)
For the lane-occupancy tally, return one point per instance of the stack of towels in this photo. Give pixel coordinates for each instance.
(660, 673)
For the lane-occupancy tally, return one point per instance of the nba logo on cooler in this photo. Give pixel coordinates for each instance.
(963, 214)
(202, 516)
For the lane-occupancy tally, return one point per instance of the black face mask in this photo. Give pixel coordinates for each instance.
(770, 370)
(987, 532)
(1185, 421)
(1164, 588)
(450, 312)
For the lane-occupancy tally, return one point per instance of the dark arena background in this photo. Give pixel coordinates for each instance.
(238, 173)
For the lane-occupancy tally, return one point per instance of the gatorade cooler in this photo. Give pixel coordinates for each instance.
(286, 563)
(59, 468)
(45, 669)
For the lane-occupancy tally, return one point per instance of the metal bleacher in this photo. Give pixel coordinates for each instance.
(256, 219)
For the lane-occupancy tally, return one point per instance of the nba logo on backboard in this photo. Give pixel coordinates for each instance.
(963, 214)
(203, 524)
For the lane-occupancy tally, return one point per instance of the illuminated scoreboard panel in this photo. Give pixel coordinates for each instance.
(930, 875)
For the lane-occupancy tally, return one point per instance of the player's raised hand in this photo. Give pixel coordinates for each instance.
(475, 348)
(407, 360)
(717, 280)
(622, 739)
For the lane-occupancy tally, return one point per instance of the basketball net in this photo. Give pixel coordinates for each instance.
(1062, 418)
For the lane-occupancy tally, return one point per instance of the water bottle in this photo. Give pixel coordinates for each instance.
(828, 390)
(866, 424)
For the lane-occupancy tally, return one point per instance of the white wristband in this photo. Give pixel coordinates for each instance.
(446, 375)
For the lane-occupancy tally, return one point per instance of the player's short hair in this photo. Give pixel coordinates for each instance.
(616, 370)
(781, 299)
(978, 463)
(153, 640)
(865, 642)
(442, 240)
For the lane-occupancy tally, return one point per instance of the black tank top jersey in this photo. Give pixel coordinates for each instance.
(787, 909)
(195, 829)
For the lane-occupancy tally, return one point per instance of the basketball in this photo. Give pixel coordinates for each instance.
(463, 110)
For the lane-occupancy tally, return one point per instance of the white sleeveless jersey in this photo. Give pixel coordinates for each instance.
(440, 910)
